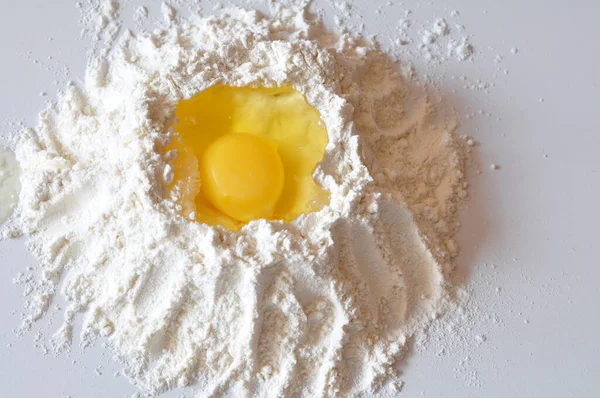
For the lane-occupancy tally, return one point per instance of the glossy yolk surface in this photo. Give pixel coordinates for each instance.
(242, 175)
(248, 153)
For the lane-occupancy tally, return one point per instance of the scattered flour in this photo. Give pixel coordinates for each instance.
(323, 306)
(432, 48)
(100, 19)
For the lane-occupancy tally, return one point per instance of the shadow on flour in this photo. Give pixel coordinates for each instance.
(417, 105)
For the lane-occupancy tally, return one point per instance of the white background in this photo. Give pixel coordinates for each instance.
(528, 238)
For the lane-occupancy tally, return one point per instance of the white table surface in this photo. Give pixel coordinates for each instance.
(531, 228)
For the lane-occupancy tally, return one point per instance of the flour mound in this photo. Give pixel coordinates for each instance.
(323, 306)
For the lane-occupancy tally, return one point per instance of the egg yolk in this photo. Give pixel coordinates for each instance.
(242, 175)
(247, 153)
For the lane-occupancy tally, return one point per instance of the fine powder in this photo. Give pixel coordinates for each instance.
(322, 306)
(9, 183)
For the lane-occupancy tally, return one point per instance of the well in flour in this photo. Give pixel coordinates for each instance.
(323, 305)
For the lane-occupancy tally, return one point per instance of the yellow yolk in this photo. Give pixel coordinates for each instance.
(248, 153)
(242, 175)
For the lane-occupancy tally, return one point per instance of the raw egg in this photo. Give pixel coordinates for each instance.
(247, 153)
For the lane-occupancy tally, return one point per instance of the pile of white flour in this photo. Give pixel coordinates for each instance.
(323, 306)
